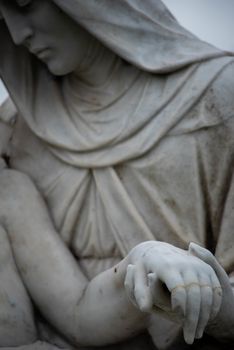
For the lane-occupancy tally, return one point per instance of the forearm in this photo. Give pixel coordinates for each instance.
(107, 312)
(76, 307)
(222, 326)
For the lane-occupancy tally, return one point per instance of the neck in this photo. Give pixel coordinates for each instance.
(96, 65)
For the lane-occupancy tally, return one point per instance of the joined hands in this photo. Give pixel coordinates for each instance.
(185, 286)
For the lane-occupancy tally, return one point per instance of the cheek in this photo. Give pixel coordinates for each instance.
(67, 53)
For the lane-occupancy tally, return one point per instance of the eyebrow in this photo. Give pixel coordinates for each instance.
(12, 2)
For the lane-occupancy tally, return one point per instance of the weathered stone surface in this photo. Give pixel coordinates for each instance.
(118, 154)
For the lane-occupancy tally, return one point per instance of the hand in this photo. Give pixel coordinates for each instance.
(223, 324)
(180, 284)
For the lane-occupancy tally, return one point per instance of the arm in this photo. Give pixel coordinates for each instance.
(219, 156)
(53, 278)
(7, 116)
(77, 307)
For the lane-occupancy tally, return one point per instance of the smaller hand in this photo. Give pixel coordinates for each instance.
(181, 285)
(222, 324)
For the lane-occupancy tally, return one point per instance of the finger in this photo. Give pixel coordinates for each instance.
(206, 304)
(192, 307)
(142, 289)
(175, 284)
(129, 284)
(210, 259)
(161, 297)
(217, 296)
(219, 279)
(179, 301)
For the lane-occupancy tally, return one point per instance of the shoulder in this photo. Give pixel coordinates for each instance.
(220, 95)
(8, 112)
(8, 115)
(219, 107)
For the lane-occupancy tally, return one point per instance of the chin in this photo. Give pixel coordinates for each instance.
(59, 69)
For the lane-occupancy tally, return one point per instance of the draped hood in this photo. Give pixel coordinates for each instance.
(144, 33)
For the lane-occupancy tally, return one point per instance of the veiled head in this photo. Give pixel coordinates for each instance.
(141, 32)
(47, 32)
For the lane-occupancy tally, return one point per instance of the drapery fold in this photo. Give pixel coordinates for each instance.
(154, 195)
(144, 33)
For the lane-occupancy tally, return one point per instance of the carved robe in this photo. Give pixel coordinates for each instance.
(155, 161)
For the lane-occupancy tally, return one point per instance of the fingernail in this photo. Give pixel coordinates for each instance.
(199, 334)
(189, 339)
(143, 305)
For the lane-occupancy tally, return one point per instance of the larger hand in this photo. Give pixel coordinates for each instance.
(176, 282)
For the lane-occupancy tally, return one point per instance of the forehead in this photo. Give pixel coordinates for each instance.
(22, 6)
(9, 4)
(19, 3)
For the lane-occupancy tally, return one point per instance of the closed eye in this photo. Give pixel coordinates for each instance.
(24, 3)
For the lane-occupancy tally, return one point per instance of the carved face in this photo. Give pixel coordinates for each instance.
(46, 32)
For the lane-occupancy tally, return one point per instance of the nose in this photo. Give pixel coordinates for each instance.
(22, 36)
(21, 32)
(20, 29)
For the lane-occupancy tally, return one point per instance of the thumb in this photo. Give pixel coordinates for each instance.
(206, 256)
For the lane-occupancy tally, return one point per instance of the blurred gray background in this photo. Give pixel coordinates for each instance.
(210, 20)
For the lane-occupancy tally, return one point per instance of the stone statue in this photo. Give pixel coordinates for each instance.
(119, 155)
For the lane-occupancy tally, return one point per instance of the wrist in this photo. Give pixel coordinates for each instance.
(119, 272)
(222, 327)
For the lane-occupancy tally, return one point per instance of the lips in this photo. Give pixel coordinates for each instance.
(41, 53)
